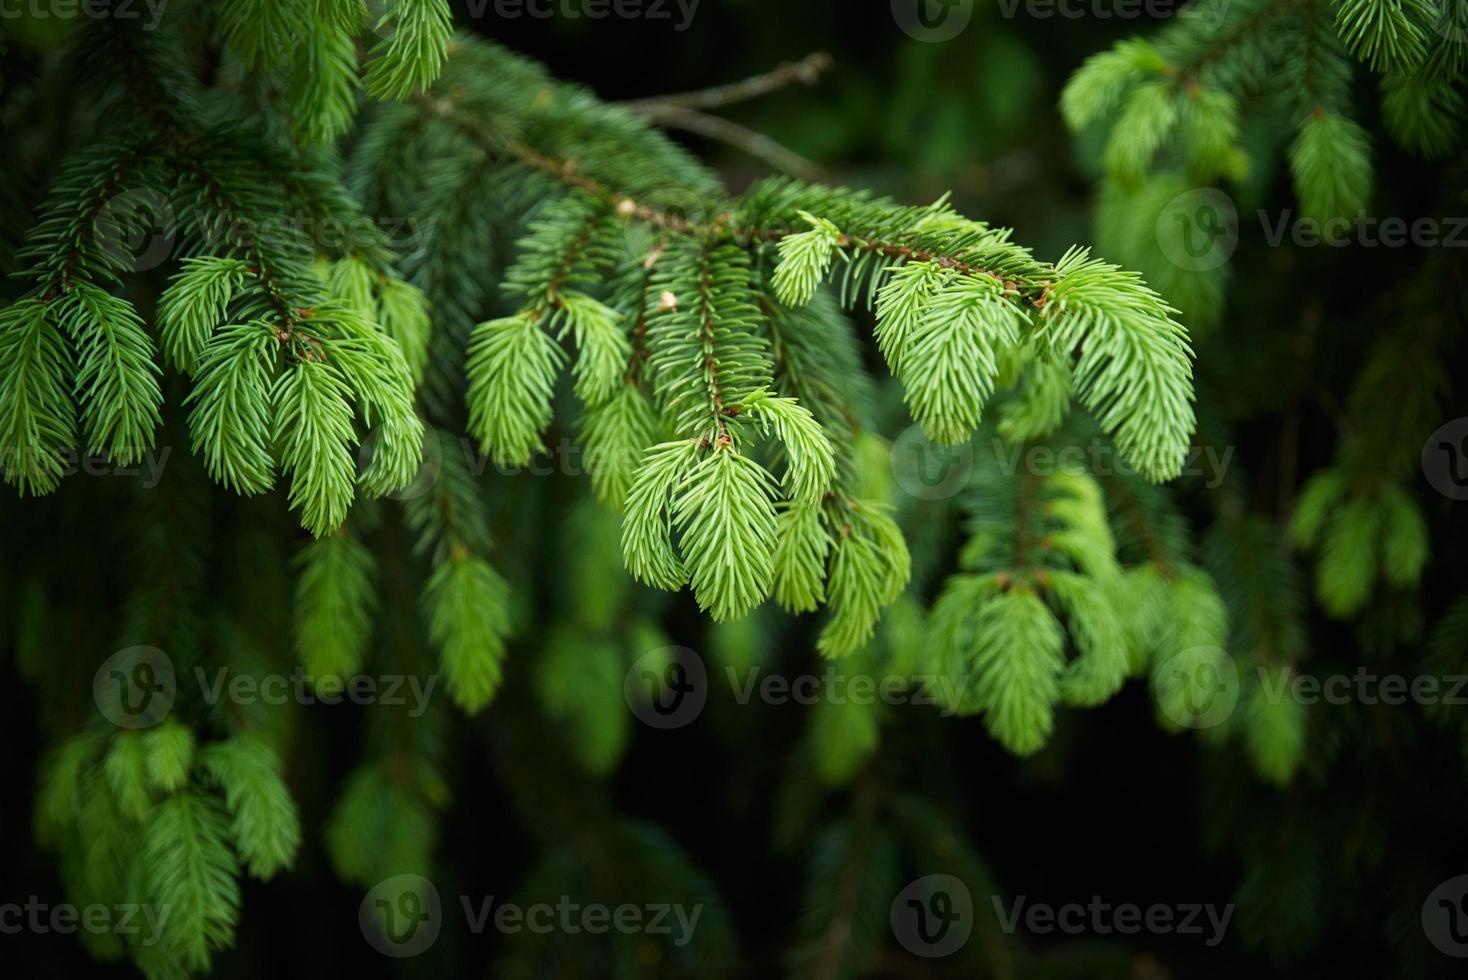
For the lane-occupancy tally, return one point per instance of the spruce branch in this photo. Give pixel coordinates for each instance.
(750, 141)
(806, 71)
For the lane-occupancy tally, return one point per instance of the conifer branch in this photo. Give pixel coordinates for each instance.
(806, 71)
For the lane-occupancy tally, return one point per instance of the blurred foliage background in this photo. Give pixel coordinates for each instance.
(767, 811)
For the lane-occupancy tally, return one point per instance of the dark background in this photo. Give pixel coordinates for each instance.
(1112, 809)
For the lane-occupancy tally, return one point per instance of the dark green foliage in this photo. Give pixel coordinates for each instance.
(586, 375)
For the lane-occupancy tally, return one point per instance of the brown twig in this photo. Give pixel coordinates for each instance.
(569, 172)
(750, 141)
(686, 111)
(806, 71)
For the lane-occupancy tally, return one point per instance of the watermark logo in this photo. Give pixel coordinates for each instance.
(933, 916)
(144, 921)
(834, 686)
(1100, 457)
(563, 457)
(1364, 687)
(429, 468)
(1199, 229)
(134, 688)
(678, 208)
(401, 916)
(136, 229)
(571, 917)
(1445, 459)
(298, 687)
(932, 21)
(403, 232)
(667, 687)
(1363, 230)
(74, 461)
(928, 470)
(1198, 687)
(655, 10)
(1211, 14)
(90, 9)
(1101, 918)
(1451, 22)
(1445, 917)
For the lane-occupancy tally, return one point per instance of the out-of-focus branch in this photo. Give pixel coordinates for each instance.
(806, 71)
(754, 143)
(686, 111)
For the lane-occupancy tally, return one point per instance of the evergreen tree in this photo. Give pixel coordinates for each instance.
(210, 250)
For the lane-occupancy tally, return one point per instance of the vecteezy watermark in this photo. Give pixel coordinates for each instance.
(933, 916)
(655, 10)
(122, 919)
(643, 220)
(932, 21)
(667, 687)
(299, 687)
(74, 461)
(1198, 230)
(570, 917)
(136, 688)
(403, 916)
(1445, 459)
(430, 466)
(1445, 917)
(1451, 22)
(136, 229)
(1100, 458)
(90, 9)
(930, 471)
(1211, 13)
(1197, 687)
(833, 686)
(562, 458)
(1364, 687)
(1101, 918)
(321, 231)
(927, 470)
(935, 21)
(1364, 231)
